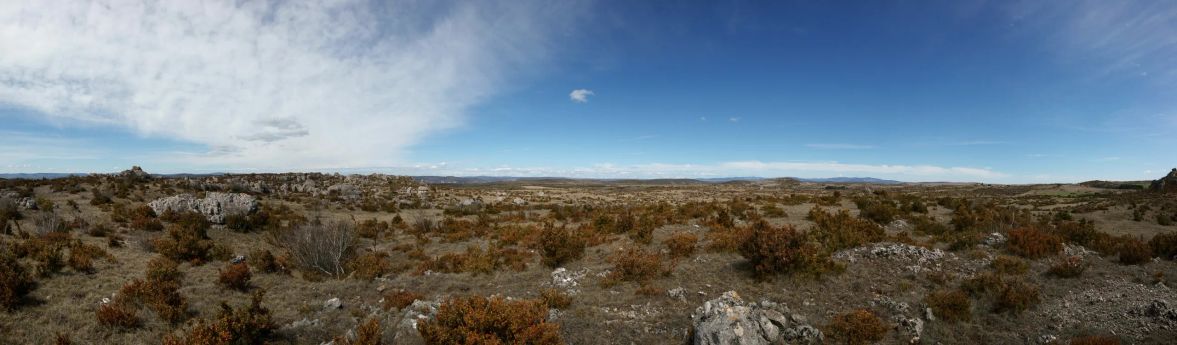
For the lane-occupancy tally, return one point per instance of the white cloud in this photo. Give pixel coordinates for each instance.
(840, 146)
(733, 119)
(580, 95)
(268, 84)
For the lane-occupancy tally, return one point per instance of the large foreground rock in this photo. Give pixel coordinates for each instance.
(1167, 184)
(215, 205)
(728, 320)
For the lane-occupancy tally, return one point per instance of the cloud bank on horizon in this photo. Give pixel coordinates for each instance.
(268, 83)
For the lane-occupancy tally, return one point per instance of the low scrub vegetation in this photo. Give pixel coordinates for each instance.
(15, 280)
(950, 305)
(249, 324)
(1134, 252)
(1069, 267)
(558, 245)
(235, 277)
(858, 327)
(319, 247)
(634, 265)
(1029, 242)
(778, 250)
(481, 320)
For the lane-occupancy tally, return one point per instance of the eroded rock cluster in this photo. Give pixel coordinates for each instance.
(215, 205)
(728, 320)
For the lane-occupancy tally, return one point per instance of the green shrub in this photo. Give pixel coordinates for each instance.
(15, 281)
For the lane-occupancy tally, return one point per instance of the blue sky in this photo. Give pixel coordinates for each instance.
(1010, 92)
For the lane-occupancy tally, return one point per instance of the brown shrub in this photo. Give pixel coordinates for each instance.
(681, 245)
(857, 327)
(950, 305)
(1069, 267)
(235, 277)
(400, 299)
(81, 256)
(635, 265)
(117, 314)
(649, 291)
(371, 228)
(982, 283)
(1134, 252)
(841, 230)
(1016, 296)
(244, 325)
(478, 320)
(555, 298)
(15, 281)
(726, 239)
(1164, 245)
(367, 333)
(559, 246)
(772, 250)
(186, 240)
(1096, 340)
(263, 261)
(159, 292)
(1006, 264)
(370, 265)
(1032, 243)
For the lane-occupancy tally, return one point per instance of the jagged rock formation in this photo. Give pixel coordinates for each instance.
(135, 173)
(728, 320)
(1167, 184)
(215, 205)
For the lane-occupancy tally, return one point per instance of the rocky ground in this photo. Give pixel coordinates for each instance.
(710, 296)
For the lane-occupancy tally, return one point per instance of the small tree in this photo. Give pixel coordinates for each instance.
(320, 247)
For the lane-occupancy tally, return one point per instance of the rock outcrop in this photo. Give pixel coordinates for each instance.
(1167, 184)
(215, 205)
(406, 327)
(728, 320)
(135, 173)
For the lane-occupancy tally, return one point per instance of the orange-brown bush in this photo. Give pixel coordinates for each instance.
(841, 230)
(681, 245)
(1096, 340)
(857, 327)
(1006, 264)
(1032, 243)
(555, 298)
(982, 283)
(1016, 296)
(634, 265)
(186, 240)
(1069, 267)
(81, 256)
(370, 265)
(950, 305)
(366, 333)
(1164, 245)
(400, 299)
(15, 281)
(775, 250)
(235, 276)
(559, 245)
(118, 314)
(143, 218)
(1134, 252)
(244, 325)
(263, 261)
(726, 239)
(159, 292)
(479, 320)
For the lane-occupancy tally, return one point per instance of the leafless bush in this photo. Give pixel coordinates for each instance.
(319, 247)
(47, 222)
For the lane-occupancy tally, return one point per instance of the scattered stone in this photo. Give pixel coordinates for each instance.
(993, 239)
(567, 280)
(678, 293)
(237, 259)
(1047, 338)
(728, 320)
(406, 329)
(334, 303)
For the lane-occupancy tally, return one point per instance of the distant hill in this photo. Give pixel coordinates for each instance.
(38, 176)
(1132, 185)
(870, 180)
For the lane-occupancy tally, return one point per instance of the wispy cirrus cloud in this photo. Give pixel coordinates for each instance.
(270, 83)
